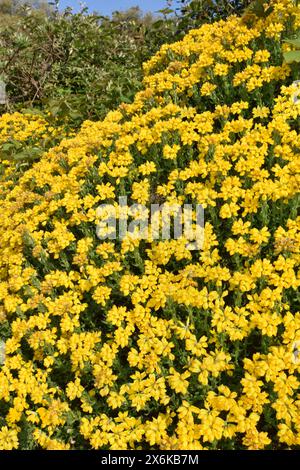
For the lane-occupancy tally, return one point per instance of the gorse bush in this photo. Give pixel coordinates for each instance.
(141, 343)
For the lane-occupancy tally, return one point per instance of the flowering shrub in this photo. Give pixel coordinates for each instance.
(132, 344)
(23, 139)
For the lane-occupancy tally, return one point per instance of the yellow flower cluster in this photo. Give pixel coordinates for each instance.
(22, 126)
(19, 132)
(142, 343)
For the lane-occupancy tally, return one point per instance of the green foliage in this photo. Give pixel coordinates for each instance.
(193, 13)
(292, 56)
(259, 8)
(77, 65)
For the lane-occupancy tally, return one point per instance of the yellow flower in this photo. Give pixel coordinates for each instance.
(260, 111)
(207, 89)
(8, 438)
(179, 382)
(170, 151)
(147, 168)
(156, 430)
(74, 389)
(140, 191)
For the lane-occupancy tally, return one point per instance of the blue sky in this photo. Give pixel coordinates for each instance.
(106, 7)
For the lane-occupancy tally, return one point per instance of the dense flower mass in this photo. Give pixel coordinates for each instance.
(23, 138)
(132, 344)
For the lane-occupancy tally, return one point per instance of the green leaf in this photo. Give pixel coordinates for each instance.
(294, 42)
(125, 99)
(291, 56)
(7, 147)
(28, 154)
(257, 8)
(166, 11)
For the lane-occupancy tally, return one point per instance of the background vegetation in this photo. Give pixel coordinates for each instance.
(79, 66)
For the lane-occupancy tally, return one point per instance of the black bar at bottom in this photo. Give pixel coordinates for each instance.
(132, 459)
